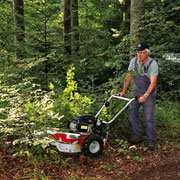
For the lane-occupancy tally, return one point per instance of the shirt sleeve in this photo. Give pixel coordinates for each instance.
(131, 65)
(154, 69)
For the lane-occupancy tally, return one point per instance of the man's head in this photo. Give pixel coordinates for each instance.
(142, 52)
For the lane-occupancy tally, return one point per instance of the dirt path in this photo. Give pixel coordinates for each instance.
(146, 165)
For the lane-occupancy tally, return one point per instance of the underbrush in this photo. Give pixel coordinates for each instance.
(27, 112)
(168, 122)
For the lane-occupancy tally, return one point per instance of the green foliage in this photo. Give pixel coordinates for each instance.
(168, 124)
(162, 28)
(6, 28)
(26, 109)
(70, 102)
(168, 83)
(127, 151)
(137, 158)
(101, 64)
(123, 147)
(27, 112)
(42, 25)
(121, 125)
(162, 22)
(104, 42)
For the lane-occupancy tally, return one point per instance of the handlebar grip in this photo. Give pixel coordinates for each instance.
(136, 98)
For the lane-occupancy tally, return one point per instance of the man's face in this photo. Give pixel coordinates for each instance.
(142, 56)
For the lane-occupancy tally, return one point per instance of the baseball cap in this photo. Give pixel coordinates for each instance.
(142, 46)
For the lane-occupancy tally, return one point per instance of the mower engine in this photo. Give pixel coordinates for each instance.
(82, 123)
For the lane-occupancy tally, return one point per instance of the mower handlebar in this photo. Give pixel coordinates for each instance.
(123, 98)
(119, 97)
(106, 104)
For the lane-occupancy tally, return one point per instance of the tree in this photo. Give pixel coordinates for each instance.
(67, 25)
(19, 26)
(126, 14)
(74, 25)
(6, 34)
(136, 23)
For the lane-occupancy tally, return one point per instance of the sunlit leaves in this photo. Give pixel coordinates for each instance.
(121, 1)
(26, 109)
(71, 99)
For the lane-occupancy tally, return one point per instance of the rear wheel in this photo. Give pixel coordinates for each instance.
(92, 145)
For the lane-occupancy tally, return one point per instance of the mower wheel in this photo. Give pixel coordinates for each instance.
(92, 145)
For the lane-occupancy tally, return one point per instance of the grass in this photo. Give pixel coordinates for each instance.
(168, 122)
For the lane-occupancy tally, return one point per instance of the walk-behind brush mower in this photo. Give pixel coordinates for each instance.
(85, 132)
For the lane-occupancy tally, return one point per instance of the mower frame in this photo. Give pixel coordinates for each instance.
(90, 143)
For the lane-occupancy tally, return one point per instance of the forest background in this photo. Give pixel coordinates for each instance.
(63, 58)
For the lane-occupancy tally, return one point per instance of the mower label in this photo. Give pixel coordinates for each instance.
(84, 127)
(76, 147)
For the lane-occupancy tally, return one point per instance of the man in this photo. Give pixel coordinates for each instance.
(144, 71)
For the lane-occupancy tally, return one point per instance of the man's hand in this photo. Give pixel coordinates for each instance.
(142, 99)
(122, 94)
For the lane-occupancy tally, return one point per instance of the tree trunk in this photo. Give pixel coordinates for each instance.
(126, 14)
(75, 25)
(19, 26)
(67, 26)
(137, 25)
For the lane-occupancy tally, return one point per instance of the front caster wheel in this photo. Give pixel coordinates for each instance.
(92, 145)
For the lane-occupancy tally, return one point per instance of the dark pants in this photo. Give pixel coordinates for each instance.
(148, 109)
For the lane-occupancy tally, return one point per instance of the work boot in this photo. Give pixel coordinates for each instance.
(151, 146)
(136, 140)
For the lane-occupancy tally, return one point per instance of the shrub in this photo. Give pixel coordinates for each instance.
(70, 102)
(28, 111)
(167, 121)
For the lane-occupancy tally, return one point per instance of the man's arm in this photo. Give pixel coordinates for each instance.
(150, 89)
(126, 84)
